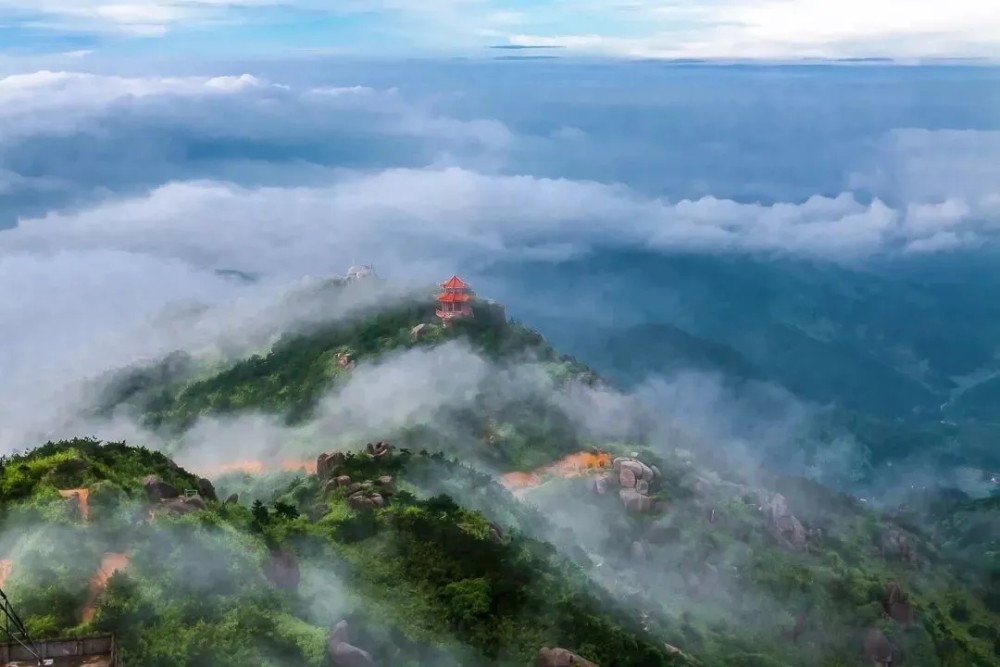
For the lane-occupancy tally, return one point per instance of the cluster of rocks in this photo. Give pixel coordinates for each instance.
(342, 653)
(633, 478)
(878, 650)
(346, 361)
(168, 499)
(895, 545)
(897, 605)
(361, 495)
(783, 524)
(560, 657)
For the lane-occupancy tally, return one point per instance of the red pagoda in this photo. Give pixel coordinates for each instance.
(455, 300)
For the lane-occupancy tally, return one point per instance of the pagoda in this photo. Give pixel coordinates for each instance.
(454, 300)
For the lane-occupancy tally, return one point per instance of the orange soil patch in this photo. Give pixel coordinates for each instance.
(82, 499)
(111, 563)
(257, 467)
(6, 567)
(574, 465)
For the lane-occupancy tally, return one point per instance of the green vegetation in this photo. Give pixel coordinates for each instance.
(450, 568)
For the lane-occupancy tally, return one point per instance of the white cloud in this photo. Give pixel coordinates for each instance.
(795, 28)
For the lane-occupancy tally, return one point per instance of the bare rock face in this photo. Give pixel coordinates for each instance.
(897, 605)
(365, 500)
(417, 330)
(206, 489)
(378, 450)
(896, 546)
(232, 499)
(634, 501)
(879, 651)
(633, 478)
(783, 523)
(342, 653)
(185, 505)
(283, 570)
(560, 657)
(327, 465)
(157, 489)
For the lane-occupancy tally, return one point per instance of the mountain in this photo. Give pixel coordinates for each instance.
(385, 490)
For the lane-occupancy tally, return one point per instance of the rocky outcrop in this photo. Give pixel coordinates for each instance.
(365, 500)
(283, 570)
(897, 605)
(879, 651)
(185, 505)
(895, 545)
(378, 450)
(342, 653)
(416, 331)
(232, 499)
(206, 489)
(157, 490)
(634, 478)
(328, 465)
(560, 657)
(782, 523)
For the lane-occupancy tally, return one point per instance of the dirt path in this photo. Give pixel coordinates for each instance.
(82, 498)
(111, 563)
(255, 467)
(574, 465)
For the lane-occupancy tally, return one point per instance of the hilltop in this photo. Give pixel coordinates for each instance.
(511, 501)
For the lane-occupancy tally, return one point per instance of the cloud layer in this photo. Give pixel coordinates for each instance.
(130, 193)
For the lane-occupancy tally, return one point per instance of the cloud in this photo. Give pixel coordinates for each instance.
(787, 29)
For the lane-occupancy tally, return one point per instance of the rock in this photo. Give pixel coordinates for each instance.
(626, 478)
(637, 551)
(365, 501)
(642, 486)
(387, 484)
(206, 489)
(342, 480)
(417, 330)
(598, 485)
(283, 570)
(187, 505)
(897, 605)
(232, 499)
(783, 522)
(354, 487)
(560, 657)
(879, 651)
(635, 501)
(327, 465)
(896, 546)
(342, 653)
(378, 449)
(157, 489)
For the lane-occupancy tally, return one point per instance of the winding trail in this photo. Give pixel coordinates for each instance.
(574, 465)
(82, 498)
(111, 563)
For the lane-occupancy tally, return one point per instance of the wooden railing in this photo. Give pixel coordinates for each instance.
(83, 647)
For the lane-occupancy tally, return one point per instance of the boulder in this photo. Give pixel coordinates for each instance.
(327, 465)
(387, 484)
(879, 651)
(157, 489)
(206, 489)
(896, 546)
(634, 501)
(598, 485)
(560, 657)
(897, 605)
(783, 523)
(186, 505)
(342, 653)
(626, 478)
(378, 450)
(365, 501)
(283, 570)
(417, 330)
(232, 499)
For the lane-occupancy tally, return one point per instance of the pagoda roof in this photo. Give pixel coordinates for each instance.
(454, 297)
(455, 283)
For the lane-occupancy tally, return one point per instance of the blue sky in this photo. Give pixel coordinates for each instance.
(622, 28)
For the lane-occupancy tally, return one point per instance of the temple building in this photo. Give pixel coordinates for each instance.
(454, 300)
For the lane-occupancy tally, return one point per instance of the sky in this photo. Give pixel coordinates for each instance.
(901, 29)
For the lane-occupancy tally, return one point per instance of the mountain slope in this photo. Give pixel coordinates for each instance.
(611, 535)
